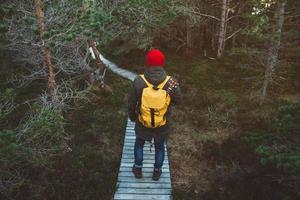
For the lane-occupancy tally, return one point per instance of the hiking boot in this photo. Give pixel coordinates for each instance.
(137, 171)
(156, 174)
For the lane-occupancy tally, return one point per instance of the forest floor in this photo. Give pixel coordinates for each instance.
(208, 157)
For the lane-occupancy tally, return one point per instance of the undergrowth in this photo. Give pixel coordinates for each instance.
(49, 153)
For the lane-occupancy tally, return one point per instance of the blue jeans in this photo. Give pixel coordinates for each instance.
(159, 152)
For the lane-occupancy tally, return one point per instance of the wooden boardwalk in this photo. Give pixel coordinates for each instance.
(130, 188)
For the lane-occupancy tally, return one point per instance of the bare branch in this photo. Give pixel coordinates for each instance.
(234, 33)
(205, 15)
(232, 17)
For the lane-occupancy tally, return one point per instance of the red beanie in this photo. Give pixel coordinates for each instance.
(155, 58)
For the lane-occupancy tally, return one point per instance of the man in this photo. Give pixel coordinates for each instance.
(149, 107)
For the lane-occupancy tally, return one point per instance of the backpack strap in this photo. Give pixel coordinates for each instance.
(160, 86)
(147, 83)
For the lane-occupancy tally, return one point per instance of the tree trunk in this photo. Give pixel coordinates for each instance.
(222, 31)
(51, 77)
(189, 37)
(275, 45)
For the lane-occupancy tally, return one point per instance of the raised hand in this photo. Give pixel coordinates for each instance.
(172, 86)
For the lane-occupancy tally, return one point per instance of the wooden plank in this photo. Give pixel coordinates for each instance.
(148, 160)
(143, 191)
(130, 132)
(131, 156)
(145, 161)
(141, 196)
(131, 145)
(147, 169)
(132, 142)
(151, 161)
(129, 137)
(146, 179)
(145, 174)
(132, 179)
(129, 140)
(126, 147)
(155, 185)
(146, 152)
(144, 165)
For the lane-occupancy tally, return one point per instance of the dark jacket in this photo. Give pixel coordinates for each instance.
(155, 76)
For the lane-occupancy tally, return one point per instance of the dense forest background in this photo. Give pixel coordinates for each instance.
(62, 115)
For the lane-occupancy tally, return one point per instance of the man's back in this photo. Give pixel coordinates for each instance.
(155, 76)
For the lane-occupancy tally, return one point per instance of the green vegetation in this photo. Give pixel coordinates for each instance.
(236, 135)
(279, 147)
(32, 145)
(53, 153)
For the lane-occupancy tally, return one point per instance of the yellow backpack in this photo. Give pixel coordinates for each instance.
(154, 104)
